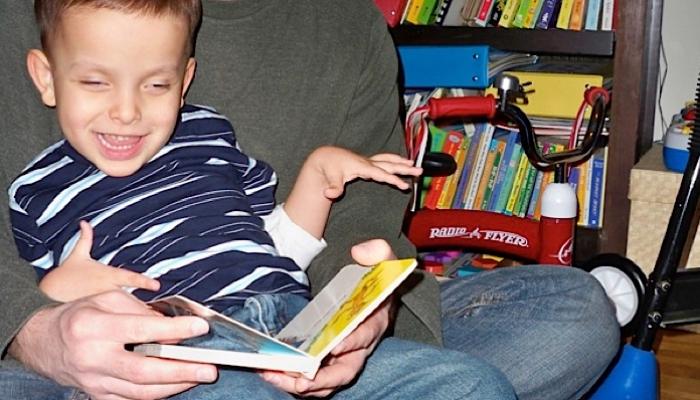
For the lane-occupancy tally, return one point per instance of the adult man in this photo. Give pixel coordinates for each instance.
(307, 73)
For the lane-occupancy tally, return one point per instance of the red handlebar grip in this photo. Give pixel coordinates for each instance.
(468, 106)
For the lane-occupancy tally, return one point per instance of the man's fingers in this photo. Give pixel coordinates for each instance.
(143, 370)
(119, 389)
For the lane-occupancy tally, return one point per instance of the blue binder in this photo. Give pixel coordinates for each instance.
(454, 66)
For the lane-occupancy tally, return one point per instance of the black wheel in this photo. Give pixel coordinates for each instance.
(624, 283)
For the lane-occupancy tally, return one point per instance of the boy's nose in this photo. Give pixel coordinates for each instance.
(126, 109)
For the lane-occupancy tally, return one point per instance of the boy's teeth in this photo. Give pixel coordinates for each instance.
(118, 142)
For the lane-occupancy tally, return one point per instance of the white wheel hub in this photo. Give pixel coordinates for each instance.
(620, 289)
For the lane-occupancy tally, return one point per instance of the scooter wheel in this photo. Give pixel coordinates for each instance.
(624, 283)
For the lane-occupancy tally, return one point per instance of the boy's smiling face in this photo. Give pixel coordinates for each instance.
(117, 81)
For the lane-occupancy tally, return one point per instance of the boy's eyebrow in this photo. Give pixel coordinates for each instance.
(165, 68)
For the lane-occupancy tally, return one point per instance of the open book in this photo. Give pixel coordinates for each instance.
(303, 343)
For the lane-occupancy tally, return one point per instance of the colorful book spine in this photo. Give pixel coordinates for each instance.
(544, 20)
(484, 13)
(565, 14)
(493, 172)
(448, 191)
(519, 16)
(479, 162)
(577, 15)
(508, 14)
(511, 170)
(595, 216)
(426, 11)
(512, 139)
(592, 15)
(414, 11)
(485, 175)
(517, 184)
(526, 190)
(473, 133)
(538, 185)
(498, 7)
(441, 11)
(581, 189)
(532, 13)
(606, 16)
(437, 184)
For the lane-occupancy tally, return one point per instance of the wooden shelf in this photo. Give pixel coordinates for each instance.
(551, 41)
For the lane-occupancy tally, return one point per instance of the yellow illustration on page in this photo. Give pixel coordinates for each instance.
(370, 287)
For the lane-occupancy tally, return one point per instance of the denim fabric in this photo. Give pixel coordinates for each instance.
(551, 330)
(397, 370)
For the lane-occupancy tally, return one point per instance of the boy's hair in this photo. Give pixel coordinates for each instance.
(48, 13)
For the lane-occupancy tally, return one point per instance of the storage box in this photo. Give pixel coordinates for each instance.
(652, 192)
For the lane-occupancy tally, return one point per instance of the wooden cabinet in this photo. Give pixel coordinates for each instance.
(632, 52)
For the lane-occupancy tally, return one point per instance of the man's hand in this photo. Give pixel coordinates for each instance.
(81, 344)
(347, 359)
(80, 275)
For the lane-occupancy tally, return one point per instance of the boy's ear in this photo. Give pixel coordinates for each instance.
(189, 75)
(39, 69)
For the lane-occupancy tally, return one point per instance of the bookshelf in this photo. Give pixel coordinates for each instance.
(633, 52)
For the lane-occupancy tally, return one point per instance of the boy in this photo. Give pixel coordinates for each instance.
(183, 207)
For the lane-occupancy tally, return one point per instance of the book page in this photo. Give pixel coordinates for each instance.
(343, 304)
(242, 337)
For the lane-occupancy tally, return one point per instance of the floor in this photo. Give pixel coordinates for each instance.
(678, 353)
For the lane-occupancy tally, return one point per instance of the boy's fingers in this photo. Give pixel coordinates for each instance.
(84, 243)
(134, 279)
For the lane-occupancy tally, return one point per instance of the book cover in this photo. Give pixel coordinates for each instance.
(565, 14)
(532, 13)
(437, 141)
(473, 132)
(479, 161)
(512, 139)
(493, 172)
(577, 15)
(302, 344)
(508, 13)
(556, 95)
(538, 186)
(544, 20)
(592, 15)
(517, 183)
(454, 146)
(597, 189)
(519, 16)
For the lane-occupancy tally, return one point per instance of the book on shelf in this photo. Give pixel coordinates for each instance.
(454, 146)
(479, 162)
(491, 170)
(565, 14)
(597, 197)
(518, 180)
(437, 183)
(485, 174)
(592, 15)
(519, 16)
(510, 142)
(508, 13)
(426, 12)
(496, 12)
(509, 178)
(392, 10)
(547, 16)
(532, 13)
(453, 14)
(526, 190)
(607, 15)
(484, 13)
(412, 11)
(303, 343)
(577, 15)
(473, 131)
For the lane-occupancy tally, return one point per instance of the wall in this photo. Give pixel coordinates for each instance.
(681, 39)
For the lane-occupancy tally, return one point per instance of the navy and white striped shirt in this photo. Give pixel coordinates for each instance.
(190, 217)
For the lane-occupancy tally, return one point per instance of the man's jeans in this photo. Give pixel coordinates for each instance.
(551, 330)
(397, 369)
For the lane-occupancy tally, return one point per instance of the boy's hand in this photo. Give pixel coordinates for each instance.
(80, 276)
(348, 358)
(339, 166)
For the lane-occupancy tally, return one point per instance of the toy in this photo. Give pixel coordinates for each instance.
(676, 139)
